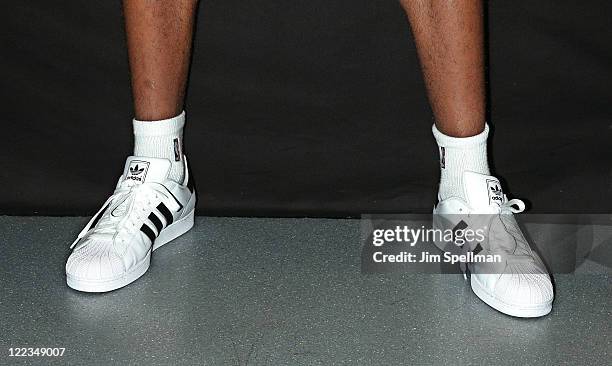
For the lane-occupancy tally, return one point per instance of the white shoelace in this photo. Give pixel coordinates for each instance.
(142, 197)
(508, 206)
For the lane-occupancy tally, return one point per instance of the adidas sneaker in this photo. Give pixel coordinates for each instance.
(519, 285)
(146, 211)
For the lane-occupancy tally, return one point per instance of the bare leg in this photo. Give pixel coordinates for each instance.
(449, 36)
(159, 37)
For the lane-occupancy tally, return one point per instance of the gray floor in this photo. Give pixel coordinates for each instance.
(278, 292)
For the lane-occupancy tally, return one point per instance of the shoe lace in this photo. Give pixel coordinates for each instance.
(509, 206)
(139, 198)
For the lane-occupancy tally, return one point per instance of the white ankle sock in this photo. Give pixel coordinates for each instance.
(162, 139)
(457, 155)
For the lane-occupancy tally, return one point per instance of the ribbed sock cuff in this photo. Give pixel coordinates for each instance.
(450, 141)
(159, 128)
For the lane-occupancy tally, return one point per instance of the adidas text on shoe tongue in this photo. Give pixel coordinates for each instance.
(143, 169)
(482, 191)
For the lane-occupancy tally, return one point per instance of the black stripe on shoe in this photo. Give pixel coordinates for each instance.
(461, 225)
(148, 232)
(156, 221)
(167, 214)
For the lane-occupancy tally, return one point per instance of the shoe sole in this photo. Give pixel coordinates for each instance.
(481, 292)
(170, 233)
(518, 311)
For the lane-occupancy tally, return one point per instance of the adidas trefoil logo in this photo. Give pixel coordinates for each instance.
(135, 170)
(495, 192)
(138, 170)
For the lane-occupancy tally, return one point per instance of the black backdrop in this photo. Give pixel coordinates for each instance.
(304, 108)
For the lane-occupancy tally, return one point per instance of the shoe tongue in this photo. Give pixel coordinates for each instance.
(142, 169)
(482, 191)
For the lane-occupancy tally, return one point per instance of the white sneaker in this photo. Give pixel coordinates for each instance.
(146, 211)
(520, 285)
